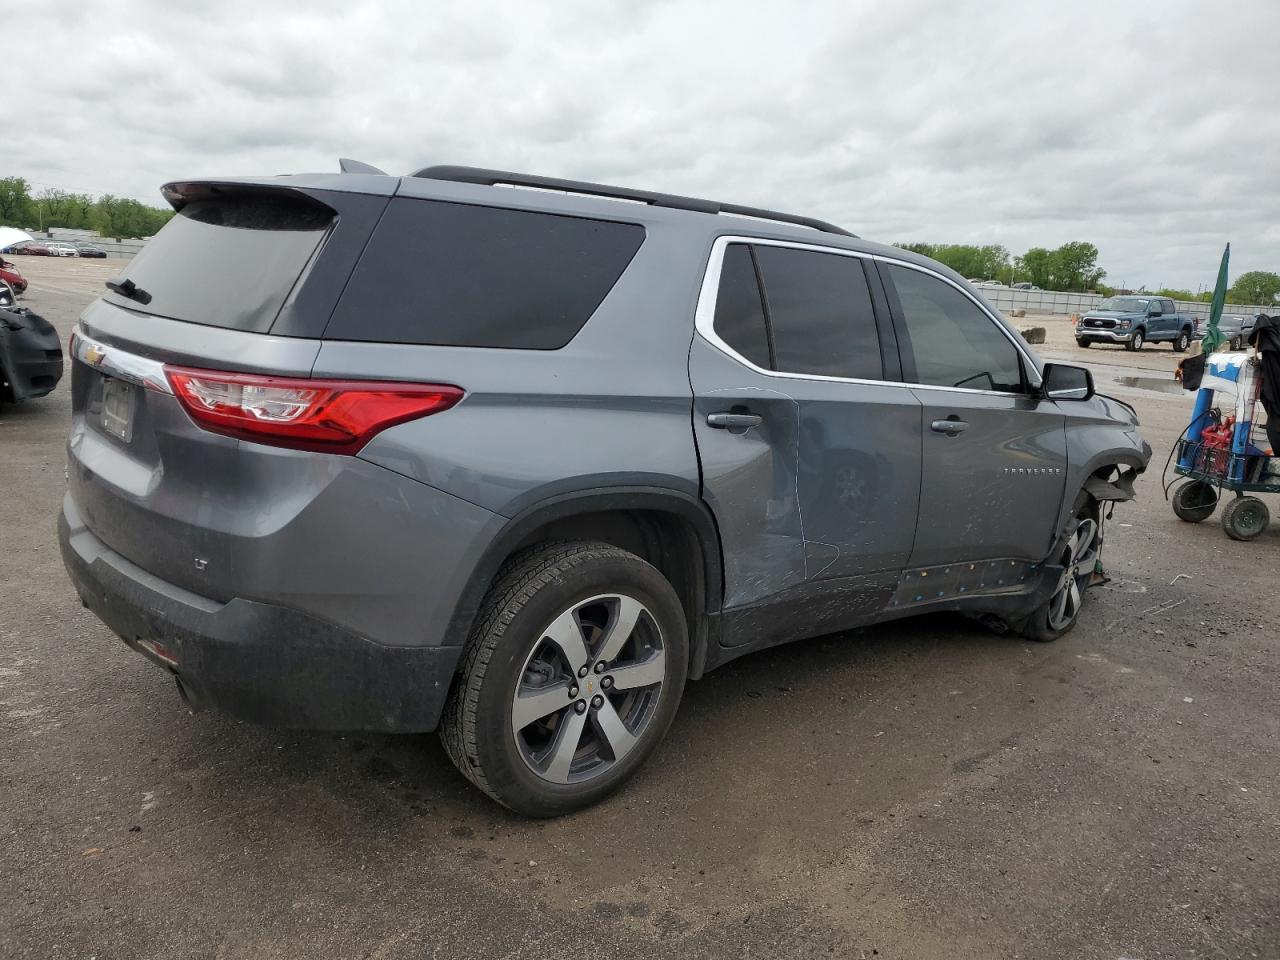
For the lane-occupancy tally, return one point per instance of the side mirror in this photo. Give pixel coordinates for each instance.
(1062, 381)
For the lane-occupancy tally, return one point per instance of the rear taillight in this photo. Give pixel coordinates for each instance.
(329, 416)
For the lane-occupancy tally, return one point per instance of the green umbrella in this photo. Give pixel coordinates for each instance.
(1213, 337)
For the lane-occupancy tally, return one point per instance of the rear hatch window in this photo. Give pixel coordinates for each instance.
(229, 260)
(453, 274)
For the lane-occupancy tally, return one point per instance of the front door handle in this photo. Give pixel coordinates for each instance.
(951, 426)
(734, 421)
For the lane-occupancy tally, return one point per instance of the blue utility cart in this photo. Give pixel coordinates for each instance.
(1213, 458)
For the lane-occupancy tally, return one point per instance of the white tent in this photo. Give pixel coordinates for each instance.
(12, 235)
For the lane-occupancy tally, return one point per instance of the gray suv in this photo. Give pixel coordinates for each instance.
(366, 452)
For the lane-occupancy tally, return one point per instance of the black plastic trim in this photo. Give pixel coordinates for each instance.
(764, 300)
(890, 354)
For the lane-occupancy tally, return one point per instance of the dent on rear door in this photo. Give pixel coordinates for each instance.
(749, 477)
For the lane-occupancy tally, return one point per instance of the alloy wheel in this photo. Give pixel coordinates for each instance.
(1079, 557)
(588, 689)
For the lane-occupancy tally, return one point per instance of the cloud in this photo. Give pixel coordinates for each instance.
(1143, 127)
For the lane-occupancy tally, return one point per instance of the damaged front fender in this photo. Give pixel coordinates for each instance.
(1115, 485)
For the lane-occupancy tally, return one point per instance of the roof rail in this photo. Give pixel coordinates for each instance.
(494, 177)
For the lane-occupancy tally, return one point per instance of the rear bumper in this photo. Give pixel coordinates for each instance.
(262, 662)
(30, 361)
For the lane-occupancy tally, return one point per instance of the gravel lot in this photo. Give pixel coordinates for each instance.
(925, 789)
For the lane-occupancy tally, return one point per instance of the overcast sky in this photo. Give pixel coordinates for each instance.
(1150, 129)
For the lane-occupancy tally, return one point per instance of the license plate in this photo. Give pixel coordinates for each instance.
(117, 409)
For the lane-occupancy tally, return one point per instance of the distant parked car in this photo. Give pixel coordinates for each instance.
(1025, 286)
(10, 275)
(1235, 327)
(29, 248)
(991, 283)
(89, 250)
(1134, 321)
(60, 249)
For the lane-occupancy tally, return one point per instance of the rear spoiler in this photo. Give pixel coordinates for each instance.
(180, 193)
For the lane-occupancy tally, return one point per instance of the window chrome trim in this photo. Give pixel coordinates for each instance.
(705, 315)
(114, 362)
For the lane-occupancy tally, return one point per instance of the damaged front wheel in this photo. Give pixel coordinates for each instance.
(1078, 557)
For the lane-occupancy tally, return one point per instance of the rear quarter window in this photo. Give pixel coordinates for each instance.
(452, 274)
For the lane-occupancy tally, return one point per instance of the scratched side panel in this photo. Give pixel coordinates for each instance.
(821, 494)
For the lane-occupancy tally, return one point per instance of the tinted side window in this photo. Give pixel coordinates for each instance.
(461, 275)
(820, 313)
(1169, 307)
(954, 343)
(739, 318)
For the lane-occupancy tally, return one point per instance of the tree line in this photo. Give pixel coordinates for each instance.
(1254, 287)
(1073, 267)
(111, 216)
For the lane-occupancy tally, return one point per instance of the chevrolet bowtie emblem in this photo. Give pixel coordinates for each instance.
(94, 355)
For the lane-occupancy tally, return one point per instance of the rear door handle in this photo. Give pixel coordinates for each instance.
(950, 427)
(734, 421)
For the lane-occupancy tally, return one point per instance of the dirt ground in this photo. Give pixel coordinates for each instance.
(925, 789)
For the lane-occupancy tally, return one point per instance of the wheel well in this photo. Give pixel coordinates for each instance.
(666, 540)
(1112, 481)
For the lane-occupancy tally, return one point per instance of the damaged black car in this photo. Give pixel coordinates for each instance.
(30, 354)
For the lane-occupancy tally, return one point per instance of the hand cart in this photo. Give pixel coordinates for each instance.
(1216, 452)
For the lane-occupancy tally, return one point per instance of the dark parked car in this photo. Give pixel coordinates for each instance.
(30, 353)
(89, 250)
(365, 452)
(30, 248)
(1235, 328)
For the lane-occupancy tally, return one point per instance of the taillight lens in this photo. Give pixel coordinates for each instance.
(329, 416)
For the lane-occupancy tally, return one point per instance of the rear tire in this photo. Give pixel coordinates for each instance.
(1078, 556)
(1181, 342)
(625, 622)
(1195, 501)
(1245, 518)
